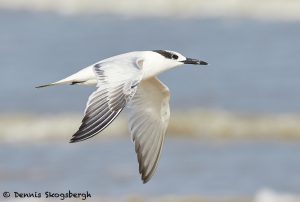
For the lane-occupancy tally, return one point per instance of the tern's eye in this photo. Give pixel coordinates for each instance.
(175, 57)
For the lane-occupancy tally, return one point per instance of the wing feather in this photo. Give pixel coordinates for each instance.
(148, 121)
(117, 83)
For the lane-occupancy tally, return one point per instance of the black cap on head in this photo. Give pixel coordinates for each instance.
(167, 54)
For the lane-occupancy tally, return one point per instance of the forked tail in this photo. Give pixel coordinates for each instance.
(57, 83)
(85, 76)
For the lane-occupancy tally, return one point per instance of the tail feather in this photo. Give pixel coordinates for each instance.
(61, 82)
(78, 78)
(47, 85)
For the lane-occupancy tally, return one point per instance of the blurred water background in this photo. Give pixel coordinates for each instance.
(234, 128)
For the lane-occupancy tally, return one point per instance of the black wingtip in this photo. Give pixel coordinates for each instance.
(145, 181)
(72, 141)
(75, 140)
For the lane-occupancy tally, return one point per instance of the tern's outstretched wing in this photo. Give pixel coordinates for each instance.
(117, 83)
(148, 119)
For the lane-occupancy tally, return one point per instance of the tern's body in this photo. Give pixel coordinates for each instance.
(129, 80)
(150, 68)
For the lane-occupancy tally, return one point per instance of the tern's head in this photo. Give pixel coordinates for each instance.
(172, 58)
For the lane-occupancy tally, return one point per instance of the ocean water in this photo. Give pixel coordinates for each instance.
(254, 65)
(108, 168)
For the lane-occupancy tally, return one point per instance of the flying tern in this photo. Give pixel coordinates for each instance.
(130, 80)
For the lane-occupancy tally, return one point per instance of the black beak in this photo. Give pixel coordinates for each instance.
(194, 62)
